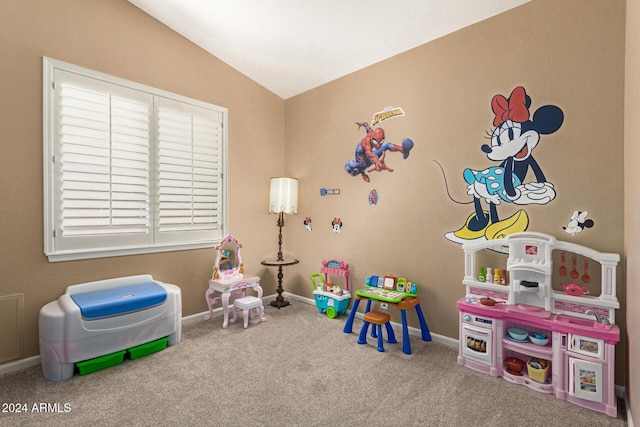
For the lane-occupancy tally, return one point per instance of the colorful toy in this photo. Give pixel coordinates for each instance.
(377, 319)
(98, 322)
(331, 298)
(388, 288)
(404, 296)
(575, 290)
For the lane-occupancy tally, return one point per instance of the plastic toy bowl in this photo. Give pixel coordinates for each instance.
(538, 339)
(518, 334)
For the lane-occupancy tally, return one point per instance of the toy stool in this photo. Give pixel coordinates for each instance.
(377, 318)
(246, 304)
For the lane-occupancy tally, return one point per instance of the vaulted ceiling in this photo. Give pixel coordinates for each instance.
(291, 46)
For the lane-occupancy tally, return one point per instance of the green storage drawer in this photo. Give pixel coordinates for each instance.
(148, 348)
(102, 362)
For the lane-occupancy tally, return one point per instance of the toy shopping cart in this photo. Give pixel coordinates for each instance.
(331, 298)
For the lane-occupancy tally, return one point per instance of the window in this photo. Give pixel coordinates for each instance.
(128, 168)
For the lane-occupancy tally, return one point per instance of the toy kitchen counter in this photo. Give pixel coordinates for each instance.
(529, 333)
(538, 317)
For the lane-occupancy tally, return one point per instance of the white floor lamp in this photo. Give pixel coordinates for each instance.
(283, 199)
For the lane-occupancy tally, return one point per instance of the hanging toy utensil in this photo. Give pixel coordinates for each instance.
(574, 273)
(563, 269)
(585, 276)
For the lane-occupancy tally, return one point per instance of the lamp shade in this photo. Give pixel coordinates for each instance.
(283, 196)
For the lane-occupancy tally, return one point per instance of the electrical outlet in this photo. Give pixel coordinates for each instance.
(384, 306)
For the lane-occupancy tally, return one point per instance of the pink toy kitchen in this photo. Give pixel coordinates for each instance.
(551, 329)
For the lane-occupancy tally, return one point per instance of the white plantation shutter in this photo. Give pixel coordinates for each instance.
(189, 171)
(128, 168)
(104, 160)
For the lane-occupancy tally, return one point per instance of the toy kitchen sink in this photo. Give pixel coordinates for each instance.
(579, 325)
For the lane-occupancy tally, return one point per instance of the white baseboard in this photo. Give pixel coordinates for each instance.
(17, 365)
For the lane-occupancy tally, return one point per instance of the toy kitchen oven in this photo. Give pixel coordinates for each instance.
(477, 342)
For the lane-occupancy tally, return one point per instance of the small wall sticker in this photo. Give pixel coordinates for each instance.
(373, 198)
(386, 114)
(329, 191)
(307, 223)
(578, 222)
(336, 224)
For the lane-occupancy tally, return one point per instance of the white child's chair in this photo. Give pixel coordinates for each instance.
(245, 304)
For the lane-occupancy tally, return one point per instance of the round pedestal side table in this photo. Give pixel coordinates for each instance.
(279, 301)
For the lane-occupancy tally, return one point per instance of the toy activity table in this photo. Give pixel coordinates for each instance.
(385, 295)
(404, 302)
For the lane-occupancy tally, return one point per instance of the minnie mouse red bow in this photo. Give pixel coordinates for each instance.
(514, 108)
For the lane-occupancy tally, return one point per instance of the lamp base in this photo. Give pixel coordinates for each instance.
(279, 303)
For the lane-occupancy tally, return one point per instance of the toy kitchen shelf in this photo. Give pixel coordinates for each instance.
(530, 262)
(575, 361)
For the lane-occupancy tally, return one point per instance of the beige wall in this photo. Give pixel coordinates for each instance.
(570, 54)
(632, 202)
(117, 38)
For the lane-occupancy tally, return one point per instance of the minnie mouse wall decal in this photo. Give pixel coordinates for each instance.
(307, 223)
(578, 222)
(515, 136)
(337, 225)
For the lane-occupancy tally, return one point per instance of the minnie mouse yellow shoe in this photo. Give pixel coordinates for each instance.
(516, 223)
(465, 234)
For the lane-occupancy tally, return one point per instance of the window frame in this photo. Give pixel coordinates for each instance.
(51, 173)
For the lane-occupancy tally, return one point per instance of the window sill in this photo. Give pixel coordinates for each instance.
(109, 253)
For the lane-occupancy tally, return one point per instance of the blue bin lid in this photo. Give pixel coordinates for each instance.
(120, 300)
